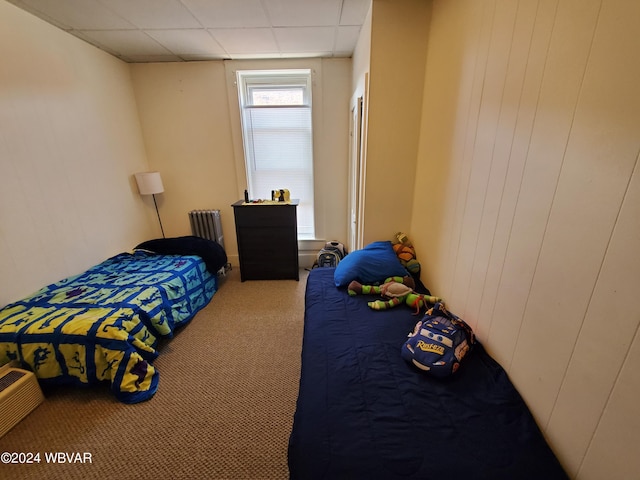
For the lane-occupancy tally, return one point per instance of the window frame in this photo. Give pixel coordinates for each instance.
(250, 81)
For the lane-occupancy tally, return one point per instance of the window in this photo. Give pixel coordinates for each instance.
(277, 136)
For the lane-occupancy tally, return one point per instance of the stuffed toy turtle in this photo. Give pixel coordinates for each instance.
(397, 289)
(406, 253)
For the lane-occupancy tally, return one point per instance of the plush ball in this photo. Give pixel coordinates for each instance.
(404, 252)
(413, 266)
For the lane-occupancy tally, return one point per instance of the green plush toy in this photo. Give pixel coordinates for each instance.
(397, 289)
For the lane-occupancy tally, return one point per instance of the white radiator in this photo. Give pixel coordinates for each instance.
(207, 224)
(19, 395)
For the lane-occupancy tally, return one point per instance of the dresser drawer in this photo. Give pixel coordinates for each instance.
(265, 216)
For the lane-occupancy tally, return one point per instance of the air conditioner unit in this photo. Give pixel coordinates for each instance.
(20, 393)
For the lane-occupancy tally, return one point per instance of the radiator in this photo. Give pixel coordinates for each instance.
(19, 395)
(207, 224)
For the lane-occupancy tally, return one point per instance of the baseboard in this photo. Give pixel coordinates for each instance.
(305, 259)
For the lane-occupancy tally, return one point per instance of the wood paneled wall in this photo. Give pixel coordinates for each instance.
(526, 213)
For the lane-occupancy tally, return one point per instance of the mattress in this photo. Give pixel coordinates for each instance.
(365, 413)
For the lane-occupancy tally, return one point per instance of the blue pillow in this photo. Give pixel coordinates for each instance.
(373, 264)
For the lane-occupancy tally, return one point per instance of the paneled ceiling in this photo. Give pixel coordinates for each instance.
(187, 30)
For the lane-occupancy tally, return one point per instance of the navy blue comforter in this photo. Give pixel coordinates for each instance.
(364, 413)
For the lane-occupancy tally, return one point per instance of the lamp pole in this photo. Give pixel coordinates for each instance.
(158, 213)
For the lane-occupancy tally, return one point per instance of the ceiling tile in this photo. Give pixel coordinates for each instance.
(252, 56)
(306, 54)
(79, 14)
(246, 40)
(354, 12)
(177, 30)
(147, 14)
(187, 42)
(228, 13)
(151, 58)
(127, 42)
(310, 39)
(303, 13)
(346, 39)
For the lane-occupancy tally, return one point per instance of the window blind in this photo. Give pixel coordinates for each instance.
(278, 137)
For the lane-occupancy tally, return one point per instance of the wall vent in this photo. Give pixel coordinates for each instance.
(19, 395)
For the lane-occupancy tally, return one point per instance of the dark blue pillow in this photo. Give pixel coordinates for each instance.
(373, 264)
(211, 252)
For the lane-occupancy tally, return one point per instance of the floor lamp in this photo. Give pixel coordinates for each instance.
(150, 183)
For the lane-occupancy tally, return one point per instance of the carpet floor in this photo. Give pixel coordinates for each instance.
(223, 410)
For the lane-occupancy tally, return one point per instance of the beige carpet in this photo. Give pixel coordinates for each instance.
(223, 410)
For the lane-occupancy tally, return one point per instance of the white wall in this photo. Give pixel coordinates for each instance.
(189, 113)
(184, 113)
(399, 33)
(526, 213)
(361, 57)
(69, 143)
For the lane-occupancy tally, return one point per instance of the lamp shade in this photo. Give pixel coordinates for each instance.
(149, 183)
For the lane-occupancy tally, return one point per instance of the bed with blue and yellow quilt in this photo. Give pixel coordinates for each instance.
(104, 325)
